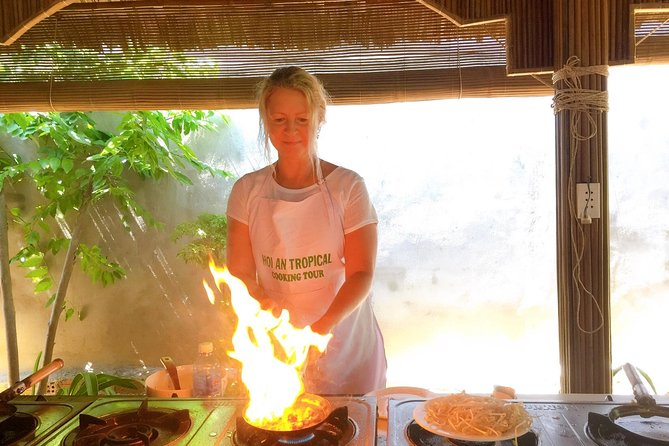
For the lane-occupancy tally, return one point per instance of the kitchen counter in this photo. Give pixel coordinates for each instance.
(557, 420)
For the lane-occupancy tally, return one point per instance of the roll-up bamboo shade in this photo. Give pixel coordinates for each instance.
(210, 54)
(651, 36)
(120, 54)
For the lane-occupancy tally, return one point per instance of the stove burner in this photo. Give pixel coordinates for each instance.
(605, 432)
(17, 427)
(423, 437)
(132, 428)
(297, 440)
(132, 433)
(336, 430)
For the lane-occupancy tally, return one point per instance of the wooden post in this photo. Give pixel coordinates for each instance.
(581, 157)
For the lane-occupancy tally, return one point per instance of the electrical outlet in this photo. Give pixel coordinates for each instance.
(588, 201)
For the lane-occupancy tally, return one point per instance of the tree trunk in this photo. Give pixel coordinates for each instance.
(57, 309)
(7, 296)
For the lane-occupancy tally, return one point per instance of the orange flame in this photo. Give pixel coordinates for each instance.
(272, 353)
(209, 291)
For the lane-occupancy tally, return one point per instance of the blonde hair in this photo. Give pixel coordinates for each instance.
(317, 97)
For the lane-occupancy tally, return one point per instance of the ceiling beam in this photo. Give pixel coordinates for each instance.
(451, 11)
(18, 16)
(529, 28)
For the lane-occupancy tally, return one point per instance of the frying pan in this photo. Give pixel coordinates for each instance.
(7, 410)
(644, 406)
(321, 405)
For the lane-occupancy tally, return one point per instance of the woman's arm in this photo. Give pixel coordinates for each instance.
(360, 257)
(239, 255)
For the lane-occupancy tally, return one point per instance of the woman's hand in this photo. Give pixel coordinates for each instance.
(266, 303)
(360, 253)
(322, 326)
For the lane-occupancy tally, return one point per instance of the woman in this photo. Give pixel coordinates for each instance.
(302, 236)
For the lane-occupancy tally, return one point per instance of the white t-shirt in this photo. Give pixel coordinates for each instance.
(347, 189)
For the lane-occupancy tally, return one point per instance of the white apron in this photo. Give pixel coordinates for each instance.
(298, 249)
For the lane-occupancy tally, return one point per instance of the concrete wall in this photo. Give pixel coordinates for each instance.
(161, 307)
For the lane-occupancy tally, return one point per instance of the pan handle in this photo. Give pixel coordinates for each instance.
(21, 386)
(641, 395)
(171, 368)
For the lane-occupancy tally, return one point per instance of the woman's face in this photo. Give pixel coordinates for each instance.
(288, 122)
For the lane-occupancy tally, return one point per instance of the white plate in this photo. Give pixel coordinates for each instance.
(419, 414)
(396, 393)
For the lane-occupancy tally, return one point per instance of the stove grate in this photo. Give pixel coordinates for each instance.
(133, 428)
(337, 430)
(19, 426)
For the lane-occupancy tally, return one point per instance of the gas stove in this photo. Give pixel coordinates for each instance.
(559, 422)
(62, 421)
(180, 421)
(37, 418)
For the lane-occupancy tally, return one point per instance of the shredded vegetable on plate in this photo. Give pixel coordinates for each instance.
(470, 417)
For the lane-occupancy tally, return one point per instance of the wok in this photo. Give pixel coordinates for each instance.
(644, 406)
(322, 408)
(6, 409)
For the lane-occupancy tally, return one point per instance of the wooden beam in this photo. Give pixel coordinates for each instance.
(529, 28)
(18, 16)
(451, 11)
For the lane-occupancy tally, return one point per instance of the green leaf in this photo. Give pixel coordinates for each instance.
(32, 261)
(42, 224)
(67, 165)
(182, 178)
(76, 383)
(54, 245)
(54, 163)
(69, 312)
(91, 384)
(37, 362)
(51, 300)
(80, 172)
(32, 238)
(91, 381)
(38, 272)
(43, 285)
(97, 266)
(106, 380)
(79, 137)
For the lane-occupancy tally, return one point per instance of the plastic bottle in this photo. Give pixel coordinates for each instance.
(206, 372)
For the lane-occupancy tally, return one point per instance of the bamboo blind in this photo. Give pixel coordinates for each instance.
(121, 55)
(651, 35)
